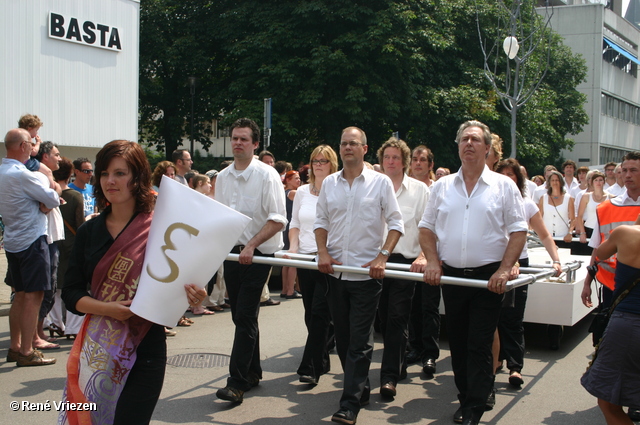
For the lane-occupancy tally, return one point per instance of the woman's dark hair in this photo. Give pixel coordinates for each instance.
(63, 173)
(135, 158)
(548, 183)
(161, 168)
(514, 166)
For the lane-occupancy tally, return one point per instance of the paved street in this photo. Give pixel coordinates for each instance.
(551, 395)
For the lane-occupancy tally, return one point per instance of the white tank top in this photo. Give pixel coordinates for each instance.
(557, 218)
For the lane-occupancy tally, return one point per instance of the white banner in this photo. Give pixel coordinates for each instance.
(190, 237)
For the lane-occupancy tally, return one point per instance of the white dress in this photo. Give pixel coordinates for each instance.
(557, 218)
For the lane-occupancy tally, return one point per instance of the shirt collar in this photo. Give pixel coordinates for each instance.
(487, 176)
(246, 173)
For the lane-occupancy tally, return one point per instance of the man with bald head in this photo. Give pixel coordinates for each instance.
(23, 199)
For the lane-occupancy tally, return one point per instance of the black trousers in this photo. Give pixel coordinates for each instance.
(315, 359)
(144, 383)
(424, 326)
(244, 286)
(394, 311)
(511, 327)
(472, 318)
(353, 307)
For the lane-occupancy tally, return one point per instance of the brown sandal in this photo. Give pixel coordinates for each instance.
(184, 321)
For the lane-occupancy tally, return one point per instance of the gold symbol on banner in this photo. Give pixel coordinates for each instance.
(168, 245)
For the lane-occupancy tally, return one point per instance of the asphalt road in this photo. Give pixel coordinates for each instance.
(551, 394)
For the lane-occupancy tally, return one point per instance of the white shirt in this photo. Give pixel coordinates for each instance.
(616, 189)
(530, 188)
(619, 201)
(257, 193)
(55, 222)
(354, 217)
(303, 216)
(473, 230)
(20, 195)
(412, 196)
(570, 188)
(537, 194)
(530, 209)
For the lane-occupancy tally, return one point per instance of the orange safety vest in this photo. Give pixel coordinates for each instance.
(611, 216)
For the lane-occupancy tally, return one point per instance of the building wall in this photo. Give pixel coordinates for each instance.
(583, 28)
(86, 96)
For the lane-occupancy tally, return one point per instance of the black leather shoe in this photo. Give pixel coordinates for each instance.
(269, 302)
(634, 414)
(469, 422)
(344, 416)
(491, 401)
(308, 379)
(230, 394)
(413, 356)
(515, 378)
(388, 389)
(429, 366)
(457, 416)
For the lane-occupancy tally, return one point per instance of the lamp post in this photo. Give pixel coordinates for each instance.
(192, 88)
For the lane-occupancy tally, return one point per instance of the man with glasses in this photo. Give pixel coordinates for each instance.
(610, 174)
(25, 243)
(353, 208)
(182, 159)
(474, 228)
(83, 170)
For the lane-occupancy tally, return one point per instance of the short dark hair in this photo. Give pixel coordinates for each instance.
(63, 173)
(569, 162)
(247, 123)
(77, 164)
(177, 155)
(45, 149)
(632, 156)
(137, 161)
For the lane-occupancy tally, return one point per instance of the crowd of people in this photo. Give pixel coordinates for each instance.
(75, 252)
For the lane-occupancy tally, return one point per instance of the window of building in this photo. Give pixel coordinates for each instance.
(619, 109)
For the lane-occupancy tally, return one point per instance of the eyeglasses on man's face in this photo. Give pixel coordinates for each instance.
(351, 144)
(89, 171)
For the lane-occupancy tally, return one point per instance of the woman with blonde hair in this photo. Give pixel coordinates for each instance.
(315, 359)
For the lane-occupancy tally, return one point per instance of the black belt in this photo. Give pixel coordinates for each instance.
(471, 271)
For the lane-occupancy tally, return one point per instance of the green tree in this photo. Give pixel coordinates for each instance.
(412, 66)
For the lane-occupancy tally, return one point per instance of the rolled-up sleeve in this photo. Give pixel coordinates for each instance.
(275, 202)
(322, 214)
(429, 216)
(391, 209)
(513, 210)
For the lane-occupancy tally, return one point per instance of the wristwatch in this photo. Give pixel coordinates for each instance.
(385, 252)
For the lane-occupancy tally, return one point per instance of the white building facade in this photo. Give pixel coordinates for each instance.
(74, 64)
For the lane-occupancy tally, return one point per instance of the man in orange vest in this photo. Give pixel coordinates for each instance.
(623, 209)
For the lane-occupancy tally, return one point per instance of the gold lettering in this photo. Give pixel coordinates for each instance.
(168, 245)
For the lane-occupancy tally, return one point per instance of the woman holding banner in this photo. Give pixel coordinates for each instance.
(118, 359)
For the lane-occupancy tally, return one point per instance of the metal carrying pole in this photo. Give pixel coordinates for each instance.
(389, 272)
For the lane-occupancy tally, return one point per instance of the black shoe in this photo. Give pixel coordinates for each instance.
(269, 302)
(634, 414)
(344, 416)
(413, 356)
(403, 374)
(364, 399)
(230, 394)
(515, 378)
(491, 401)
(457, 416)
(469, 422)
(293, 296)
(429, 366)
(388, 390)
(308, 379)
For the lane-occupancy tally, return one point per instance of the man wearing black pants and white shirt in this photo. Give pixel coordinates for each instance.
(395, 301)
(353, 207)
(253, 188)
(474, 223)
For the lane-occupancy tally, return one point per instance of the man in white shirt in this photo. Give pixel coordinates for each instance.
(353, 207)
(23, 198)
(618, 188)
(609, 174)
(474, 223)
(253, 188)
(569, 171)
(394, 308)
(182, 159)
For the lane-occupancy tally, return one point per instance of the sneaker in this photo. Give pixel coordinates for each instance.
(36, 358)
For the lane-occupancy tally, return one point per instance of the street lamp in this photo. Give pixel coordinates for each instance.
(192, 87)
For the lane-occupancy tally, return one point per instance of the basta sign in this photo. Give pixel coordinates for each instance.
(88, 33)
